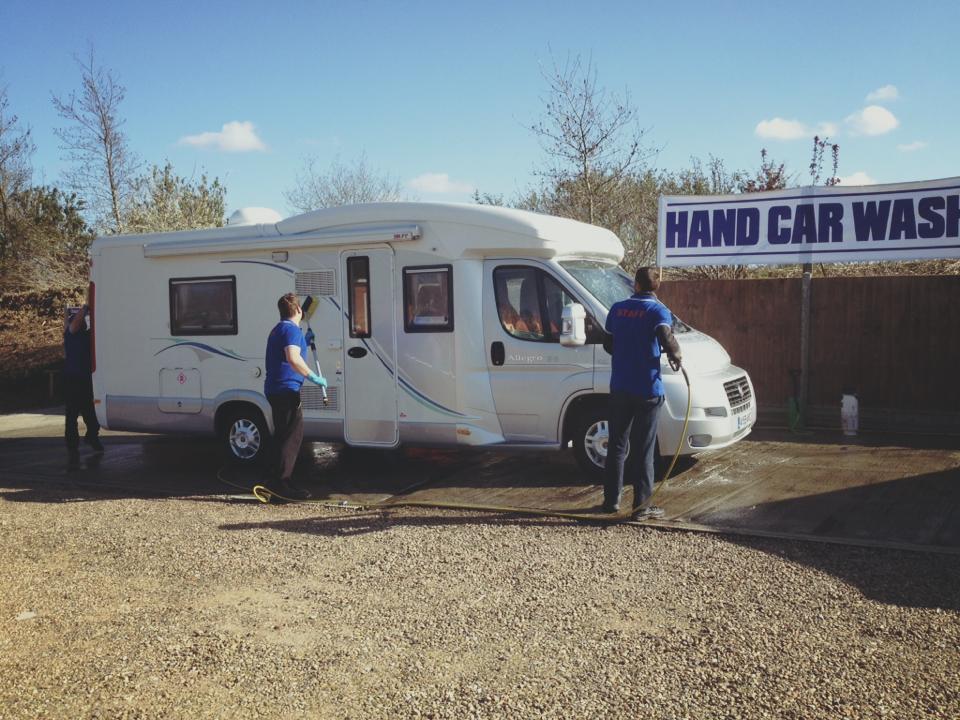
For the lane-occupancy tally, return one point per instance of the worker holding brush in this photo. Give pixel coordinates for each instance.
(286, 370)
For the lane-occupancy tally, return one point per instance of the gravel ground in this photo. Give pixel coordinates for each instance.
(196, 608)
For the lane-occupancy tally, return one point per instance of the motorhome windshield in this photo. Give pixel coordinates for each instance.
(608, 284)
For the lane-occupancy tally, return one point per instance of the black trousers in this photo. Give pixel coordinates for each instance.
(287, 433)
(78, 397)
(634, 418)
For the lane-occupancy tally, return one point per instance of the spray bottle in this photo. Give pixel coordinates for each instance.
(849, 412)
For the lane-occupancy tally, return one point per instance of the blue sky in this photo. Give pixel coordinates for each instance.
(439, 95)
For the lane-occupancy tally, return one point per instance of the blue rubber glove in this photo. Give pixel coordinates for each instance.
(317, 379)
(310, 337)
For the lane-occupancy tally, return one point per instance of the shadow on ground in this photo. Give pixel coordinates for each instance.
(894, 577)
(894, 496)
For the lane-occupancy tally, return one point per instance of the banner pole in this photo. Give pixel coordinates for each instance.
(805, 291)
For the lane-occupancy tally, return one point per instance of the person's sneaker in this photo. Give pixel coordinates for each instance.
(651, 512)
(608, 508)
(95, 443)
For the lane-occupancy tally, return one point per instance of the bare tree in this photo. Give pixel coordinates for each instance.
(103, 166)
(593, 141)
(820, 146)
(340, 184)
(16, 149)
(770, 176)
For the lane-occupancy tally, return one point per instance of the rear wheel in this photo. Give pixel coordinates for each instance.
(244, 435)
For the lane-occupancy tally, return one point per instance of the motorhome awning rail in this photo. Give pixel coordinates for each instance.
(333, 236)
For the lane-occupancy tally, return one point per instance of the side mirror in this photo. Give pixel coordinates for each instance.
(573, 331)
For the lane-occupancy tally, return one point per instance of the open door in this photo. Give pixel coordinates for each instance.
(370, 340)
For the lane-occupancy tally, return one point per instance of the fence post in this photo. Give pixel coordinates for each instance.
(805, 289)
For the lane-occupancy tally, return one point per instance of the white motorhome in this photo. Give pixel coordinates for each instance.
(436, 325)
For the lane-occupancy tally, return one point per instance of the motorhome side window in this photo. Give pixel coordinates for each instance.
(358, 296)
(428, 299)
(530, 303)
(203, 306)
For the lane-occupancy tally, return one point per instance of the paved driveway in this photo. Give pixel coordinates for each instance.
(873, 490)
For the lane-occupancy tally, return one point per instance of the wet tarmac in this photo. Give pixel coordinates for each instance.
(899, 492)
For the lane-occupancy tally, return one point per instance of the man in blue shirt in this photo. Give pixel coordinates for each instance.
(78, 387)
(286, 370)
(640, 326)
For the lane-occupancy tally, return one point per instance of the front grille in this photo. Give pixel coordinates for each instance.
(738, 394)
(312, 399)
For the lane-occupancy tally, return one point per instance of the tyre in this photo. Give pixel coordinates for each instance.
(590, 436)
(243, 435)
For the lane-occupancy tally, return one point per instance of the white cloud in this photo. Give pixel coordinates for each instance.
(780, 129)
(858, 178)
(883, 94)
(872, 120)
(912, 147)
(439, 184)
(233, 137)
(827, 129)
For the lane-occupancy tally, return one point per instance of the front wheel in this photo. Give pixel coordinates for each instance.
(591, 435)
(244, 436)
(591, 438)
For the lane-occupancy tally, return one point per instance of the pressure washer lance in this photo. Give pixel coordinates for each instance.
(307, 309)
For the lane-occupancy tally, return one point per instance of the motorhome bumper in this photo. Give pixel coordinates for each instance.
(706, 433)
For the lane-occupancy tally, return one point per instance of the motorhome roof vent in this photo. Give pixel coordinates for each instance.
(317, 282)
(254, 216)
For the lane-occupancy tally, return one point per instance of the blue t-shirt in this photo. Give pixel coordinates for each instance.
(636, 351)
(281, 377)
(76, 352)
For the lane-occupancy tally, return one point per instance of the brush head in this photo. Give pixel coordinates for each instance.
(307, 306)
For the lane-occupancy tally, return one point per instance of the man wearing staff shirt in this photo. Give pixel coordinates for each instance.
(640, 325)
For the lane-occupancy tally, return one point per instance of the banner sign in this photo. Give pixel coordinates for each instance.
(906, 221)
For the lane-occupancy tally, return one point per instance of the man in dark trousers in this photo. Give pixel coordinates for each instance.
(286, 370)
(78, 387)
(640, 325)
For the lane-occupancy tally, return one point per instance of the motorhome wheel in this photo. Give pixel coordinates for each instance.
(590, 437)
(244, 435)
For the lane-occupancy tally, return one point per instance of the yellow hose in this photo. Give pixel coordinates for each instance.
(265, 494)
(683, 435)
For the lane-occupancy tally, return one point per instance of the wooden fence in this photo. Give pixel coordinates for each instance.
(895, 341)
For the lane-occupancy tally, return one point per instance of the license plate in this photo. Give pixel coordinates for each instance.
(743, 420)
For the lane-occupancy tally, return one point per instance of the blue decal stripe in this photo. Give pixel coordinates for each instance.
(819, 197)
(418, 395)
(259, 262)
(410, 389)
(202, 346)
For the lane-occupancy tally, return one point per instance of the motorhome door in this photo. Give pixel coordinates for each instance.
(370, 342)
(531, 374)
